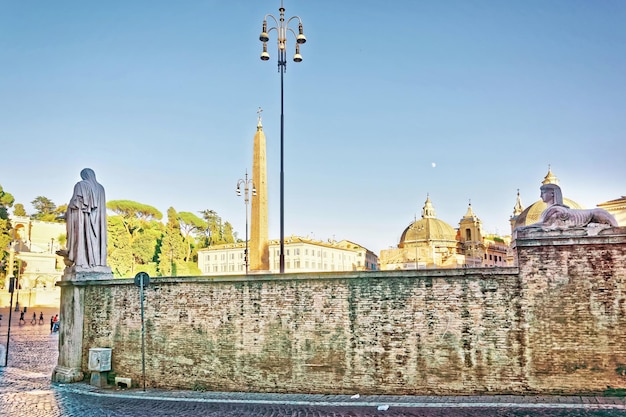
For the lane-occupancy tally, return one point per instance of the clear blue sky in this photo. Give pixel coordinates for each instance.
(160, 99)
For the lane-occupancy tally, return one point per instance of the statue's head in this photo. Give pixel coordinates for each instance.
(552, 193)
(88, 174)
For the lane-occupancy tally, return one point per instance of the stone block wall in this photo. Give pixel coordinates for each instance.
(555, 324)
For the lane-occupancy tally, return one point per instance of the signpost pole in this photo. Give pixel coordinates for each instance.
(11, 288)
(142, 279)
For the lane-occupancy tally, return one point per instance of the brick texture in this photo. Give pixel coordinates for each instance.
(555, 324)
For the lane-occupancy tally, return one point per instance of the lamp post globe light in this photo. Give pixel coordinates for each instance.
(282, 28)
(247, 184)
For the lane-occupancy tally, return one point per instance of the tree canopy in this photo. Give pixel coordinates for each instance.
(137, 239)
(18, 210)
(132, 209)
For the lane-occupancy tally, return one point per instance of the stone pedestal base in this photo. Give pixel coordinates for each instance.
(72, 316)
(77, 273)
(66, 375)
(99, 379)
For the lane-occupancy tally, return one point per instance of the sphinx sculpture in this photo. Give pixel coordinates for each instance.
(558, 216)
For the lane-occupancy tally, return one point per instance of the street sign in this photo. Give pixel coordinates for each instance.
(142, 276)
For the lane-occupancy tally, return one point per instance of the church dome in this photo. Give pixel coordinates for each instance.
(428, 228)
(533, 212)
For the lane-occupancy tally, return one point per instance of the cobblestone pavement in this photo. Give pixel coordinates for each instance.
(26, 391)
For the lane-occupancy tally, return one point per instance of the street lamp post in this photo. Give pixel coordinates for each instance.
(247, 183)
(281, 28)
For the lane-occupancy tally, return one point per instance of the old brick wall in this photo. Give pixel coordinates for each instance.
(439, 332)
(574, 307)
(556, 324)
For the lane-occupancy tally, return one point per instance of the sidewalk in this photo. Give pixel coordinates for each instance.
(490, 401)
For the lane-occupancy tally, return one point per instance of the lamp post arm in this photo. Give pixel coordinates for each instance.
(294, 17)
(273, 18)
(292, 32)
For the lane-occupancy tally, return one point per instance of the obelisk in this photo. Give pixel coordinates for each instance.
(258, 246)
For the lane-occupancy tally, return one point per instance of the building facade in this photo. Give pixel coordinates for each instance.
(34, 249)
(617, 208)
(301, 255)
(433, 243)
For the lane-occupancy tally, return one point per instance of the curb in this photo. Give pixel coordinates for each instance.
(345, 401)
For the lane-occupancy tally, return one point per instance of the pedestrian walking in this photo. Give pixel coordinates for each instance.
(51, 323)
(22, 321)
(41, 318)
(55, 323)
(34, 320)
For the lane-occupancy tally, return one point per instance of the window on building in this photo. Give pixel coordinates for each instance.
(296, 251)
(468, 234)
(296, 264)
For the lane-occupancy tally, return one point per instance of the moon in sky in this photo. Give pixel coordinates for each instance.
(433, 164)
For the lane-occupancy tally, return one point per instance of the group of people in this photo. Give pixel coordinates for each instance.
(54, 320)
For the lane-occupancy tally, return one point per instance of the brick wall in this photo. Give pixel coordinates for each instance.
(555, 324)
(574, 307)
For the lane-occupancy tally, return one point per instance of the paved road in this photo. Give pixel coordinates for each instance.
(26, 391)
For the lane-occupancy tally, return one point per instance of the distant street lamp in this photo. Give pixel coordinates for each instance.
(247, 183)
(281, 29)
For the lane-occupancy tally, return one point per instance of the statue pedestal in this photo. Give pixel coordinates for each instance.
(71, 313)
(78, 273)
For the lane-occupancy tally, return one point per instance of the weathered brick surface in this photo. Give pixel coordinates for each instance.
(574, 295)
(555, 324)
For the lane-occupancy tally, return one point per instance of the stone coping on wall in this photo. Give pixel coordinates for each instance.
(575, 236)
(489, 272)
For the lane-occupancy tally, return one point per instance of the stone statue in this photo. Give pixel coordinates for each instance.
(86, 224)
(559, 216)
